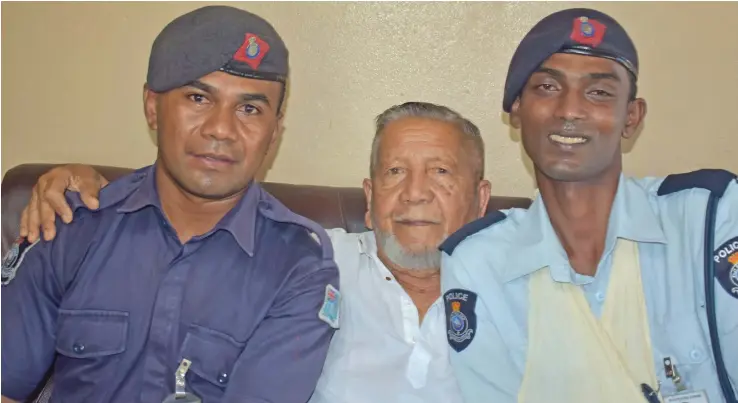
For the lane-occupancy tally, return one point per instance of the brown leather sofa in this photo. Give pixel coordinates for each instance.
(331, 207)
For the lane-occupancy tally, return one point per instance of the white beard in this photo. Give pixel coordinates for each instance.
(429, 259)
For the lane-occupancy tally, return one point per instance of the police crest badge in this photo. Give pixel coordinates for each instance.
(330, 312)
(587, 31)
(13, 259)
(461, 320)
(252, 51)
(726, 266)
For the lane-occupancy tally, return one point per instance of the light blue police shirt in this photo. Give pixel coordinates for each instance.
(486, 266)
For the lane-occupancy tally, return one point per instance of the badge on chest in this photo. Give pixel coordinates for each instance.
(180, 395)
(687, 397)
(682, 395)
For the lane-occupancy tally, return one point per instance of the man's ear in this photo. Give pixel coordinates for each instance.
(636, 113)
(484, 189)
(367, 184)
(149, 101)
(514, 114)
(278, 128)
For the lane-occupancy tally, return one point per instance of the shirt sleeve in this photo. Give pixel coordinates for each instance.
(30, 302)
(726, 288)
(284, 358)
(482, 362)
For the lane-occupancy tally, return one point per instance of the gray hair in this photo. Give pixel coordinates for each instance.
(426, 110)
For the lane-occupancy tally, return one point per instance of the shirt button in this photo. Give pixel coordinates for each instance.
(223, 378)
(78, 348)
(696, 355)
(600, 296)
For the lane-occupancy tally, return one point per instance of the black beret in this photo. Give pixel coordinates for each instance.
(579, 31)
(216, 38)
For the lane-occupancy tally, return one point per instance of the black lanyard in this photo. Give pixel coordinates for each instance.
(709, 246)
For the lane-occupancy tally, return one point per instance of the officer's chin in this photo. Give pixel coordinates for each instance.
(211, 189)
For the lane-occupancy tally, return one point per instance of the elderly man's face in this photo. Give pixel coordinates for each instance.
(425, 187)
(215, 132)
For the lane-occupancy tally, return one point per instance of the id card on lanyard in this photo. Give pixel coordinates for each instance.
(180, 395)
(683, 395)
(687, 397)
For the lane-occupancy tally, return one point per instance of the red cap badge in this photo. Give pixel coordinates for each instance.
(587, 31)
(252, 51)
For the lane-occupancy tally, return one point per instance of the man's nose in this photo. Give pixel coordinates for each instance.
(417, 188)
(571, 105)
(220, 124)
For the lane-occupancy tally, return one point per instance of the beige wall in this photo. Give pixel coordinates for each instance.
(72, 75)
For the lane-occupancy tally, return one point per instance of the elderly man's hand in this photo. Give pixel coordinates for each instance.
(47, 198)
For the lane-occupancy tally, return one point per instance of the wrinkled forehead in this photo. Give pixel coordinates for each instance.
(420, 138)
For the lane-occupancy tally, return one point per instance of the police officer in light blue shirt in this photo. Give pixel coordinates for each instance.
(653, 262)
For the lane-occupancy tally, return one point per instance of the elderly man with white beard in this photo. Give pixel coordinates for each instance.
(426, 182)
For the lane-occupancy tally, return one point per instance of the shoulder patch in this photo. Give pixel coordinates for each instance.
(469, 229)
(714, 180)
(330, 312)
(461, 319)
(726, 266)
(14, 258)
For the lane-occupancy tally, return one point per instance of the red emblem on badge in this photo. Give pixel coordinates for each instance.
(587, 31)
(252, 51)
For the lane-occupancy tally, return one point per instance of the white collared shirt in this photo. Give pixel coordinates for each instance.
(381, 353)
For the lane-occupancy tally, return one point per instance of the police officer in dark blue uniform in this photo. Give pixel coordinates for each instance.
(190, 282)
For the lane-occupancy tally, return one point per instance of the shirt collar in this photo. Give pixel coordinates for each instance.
(145, 194)
(536, 245)
(240, 221)
(368, 243)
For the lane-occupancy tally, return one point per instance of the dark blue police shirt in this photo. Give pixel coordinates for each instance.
(119, 301)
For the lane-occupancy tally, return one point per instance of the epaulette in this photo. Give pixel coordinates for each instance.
(469, 229)
(714, 180)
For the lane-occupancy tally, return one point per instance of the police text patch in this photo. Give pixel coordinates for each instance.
(14, 258)
(461, 320)
(726, 266)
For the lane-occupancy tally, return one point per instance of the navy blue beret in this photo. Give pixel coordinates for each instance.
(216, 38)
(579, 31)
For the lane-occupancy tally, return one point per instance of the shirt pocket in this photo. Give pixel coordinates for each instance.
(683, 340)
(213, 355)
(89, 344)
(91, 333)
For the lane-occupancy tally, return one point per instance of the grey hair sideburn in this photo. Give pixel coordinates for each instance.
(426, 110)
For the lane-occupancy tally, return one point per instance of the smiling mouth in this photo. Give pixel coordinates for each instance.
(567, 140)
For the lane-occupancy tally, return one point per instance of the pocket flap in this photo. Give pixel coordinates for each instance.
(91, 333)
(213, 354)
